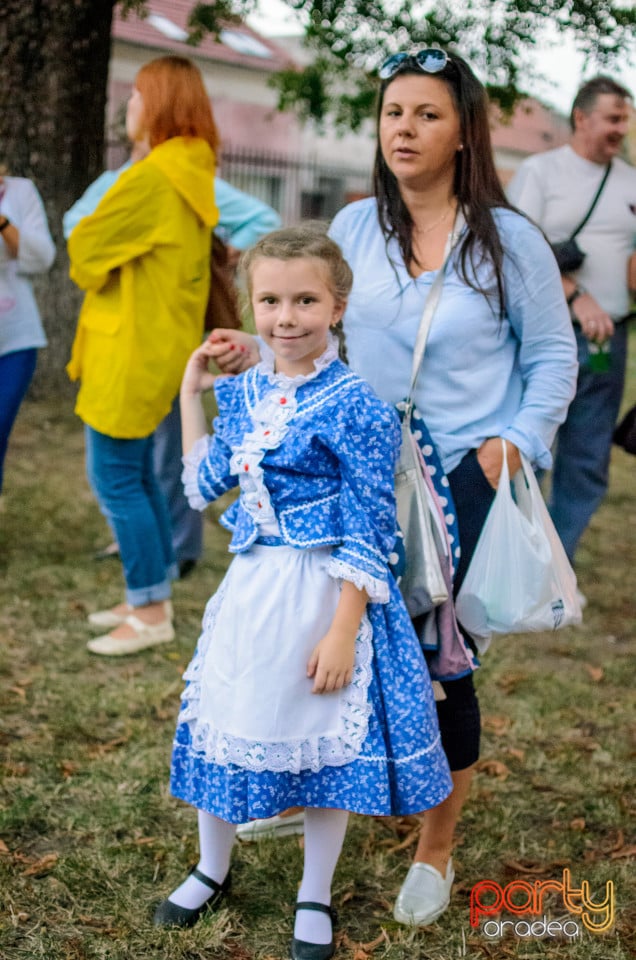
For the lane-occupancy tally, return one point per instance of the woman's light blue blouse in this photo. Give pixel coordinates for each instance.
(481, 376)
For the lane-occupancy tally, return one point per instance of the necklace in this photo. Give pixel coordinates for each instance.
(437, 223)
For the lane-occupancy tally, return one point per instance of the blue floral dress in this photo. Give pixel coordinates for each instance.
(313, 457)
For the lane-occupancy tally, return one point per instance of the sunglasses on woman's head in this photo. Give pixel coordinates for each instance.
(429, 60)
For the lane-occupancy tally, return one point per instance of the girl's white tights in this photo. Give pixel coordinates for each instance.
(216, 838)
(324, 835)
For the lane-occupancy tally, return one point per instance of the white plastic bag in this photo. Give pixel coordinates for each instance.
(519, 578)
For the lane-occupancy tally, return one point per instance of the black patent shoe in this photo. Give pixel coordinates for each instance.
(303, 949)
(169, 914)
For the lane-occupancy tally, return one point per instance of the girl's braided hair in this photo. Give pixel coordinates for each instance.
(307, 240)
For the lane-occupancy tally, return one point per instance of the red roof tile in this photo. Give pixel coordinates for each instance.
(138, 30)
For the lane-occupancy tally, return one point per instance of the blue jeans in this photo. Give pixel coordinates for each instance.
(580, 475)
(121, 474)
(187, 524)
(16, 371)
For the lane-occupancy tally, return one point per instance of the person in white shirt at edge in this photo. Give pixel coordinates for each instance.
(500, 358)
(26, 249)
(556, 189)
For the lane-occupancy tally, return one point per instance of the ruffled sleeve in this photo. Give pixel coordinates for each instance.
(190, 475)
(368, 441)
(207, 473)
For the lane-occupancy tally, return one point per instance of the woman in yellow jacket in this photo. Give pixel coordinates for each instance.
(143, 259)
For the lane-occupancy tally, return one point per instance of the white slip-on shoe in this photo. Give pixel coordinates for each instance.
(424, 895)
(146, 635)
(108, 619)
(271, 827)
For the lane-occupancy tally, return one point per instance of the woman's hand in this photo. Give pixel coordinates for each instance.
(490, 459)
(331, 662)
(233, 351)
(196, 377)
(595, 323)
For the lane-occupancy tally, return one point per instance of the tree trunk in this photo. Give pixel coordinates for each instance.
(54, 56)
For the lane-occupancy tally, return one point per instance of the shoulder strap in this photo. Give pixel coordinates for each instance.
(594, 201)
(430, 306)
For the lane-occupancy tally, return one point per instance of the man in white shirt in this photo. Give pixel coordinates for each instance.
(556, 189)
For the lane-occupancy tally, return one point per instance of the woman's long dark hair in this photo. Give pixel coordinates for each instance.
(476, 186)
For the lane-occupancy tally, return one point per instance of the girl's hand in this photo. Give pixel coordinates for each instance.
(196, 377)
(490, 459)
(233, 351)
(331, 662)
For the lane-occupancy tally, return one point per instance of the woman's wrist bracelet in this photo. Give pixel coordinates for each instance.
(5, 223)
(576, 293)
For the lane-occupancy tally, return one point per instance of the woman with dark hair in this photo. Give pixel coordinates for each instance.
(143, 258)
(500, 359)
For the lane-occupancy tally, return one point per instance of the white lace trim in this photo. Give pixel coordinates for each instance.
(268, 361)
(292, 756)
(190, 474)
(271, 417)
(377, 590)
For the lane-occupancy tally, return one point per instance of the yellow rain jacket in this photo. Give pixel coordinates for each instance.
(143, 257)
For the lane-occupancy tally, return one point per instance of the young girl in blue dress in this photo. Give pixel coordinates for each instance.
(308, 686)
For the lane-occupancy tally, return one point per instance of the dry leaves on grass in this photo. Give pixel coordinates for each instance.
(594, 673)
(534, 867)
(508, 682)
(99, 749)
(42, 866)
(613, 846)
(624, 852)
(12, 769)
(493, 768)
(497, 725)
(580, 741)
(410, 838)
(363, 951)
(102, 925)
(69, 768)
(500, 949)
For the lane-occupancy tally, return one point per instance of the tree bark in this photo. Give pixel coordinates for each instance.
(54, 56)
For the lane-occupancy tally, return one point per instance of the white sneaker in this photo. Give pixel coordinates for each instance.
(146, 635)
(271, 827)
(424, 895)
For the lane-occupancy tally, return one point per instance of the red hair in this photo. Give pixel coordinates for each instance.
(175, 101)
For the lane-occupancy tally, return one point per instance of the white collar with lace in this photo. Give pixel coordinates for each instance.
(268, 360)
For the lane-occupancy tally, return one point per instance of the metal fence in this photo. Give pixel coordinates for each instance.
(298, 188)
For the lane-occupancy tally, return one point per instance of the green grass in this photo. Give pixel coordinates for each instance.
(91, 839)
